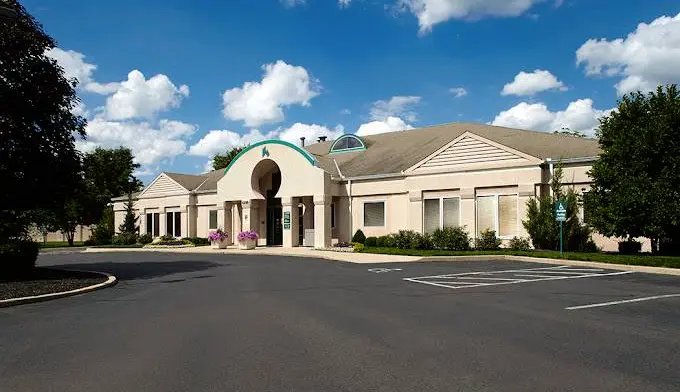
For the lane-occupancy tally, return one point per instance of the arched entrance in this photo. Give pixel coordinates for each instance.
(266, 181)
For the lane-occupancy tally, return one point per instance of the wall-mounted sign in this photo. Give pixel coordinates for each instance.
(286, 220)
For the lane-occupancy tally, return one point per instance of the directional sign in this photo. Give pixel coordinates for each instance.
(561, 211)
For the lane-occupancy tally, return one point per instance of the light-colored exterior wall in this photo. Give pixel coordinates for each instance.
(466, 168)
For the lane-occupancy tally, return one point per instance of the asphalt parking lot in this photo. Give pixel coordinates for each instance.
(180, 322)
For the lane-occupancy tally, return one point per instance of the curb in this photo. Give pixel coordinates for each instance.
(541, 260)
(110, 281)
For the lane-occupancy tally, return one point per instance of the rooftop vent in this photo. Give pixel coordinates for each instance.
(322, 138)
(302, 141)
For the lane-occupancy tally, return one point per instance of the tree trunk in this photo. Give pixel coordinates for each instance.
(655, 246)
(69, 237)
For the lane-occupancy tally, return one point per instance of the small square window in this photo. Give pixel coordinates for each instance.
(374, 214)
(213, 220)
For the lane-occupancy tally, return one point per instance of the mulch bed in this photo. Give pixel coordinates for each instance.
(46, 281)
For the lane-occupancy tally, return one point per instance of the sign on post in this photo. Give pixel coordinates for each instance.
(561, 211)
(561, 216)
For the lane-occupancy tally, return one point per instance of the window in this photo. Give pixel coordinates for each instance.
(497, 213)
(173, 221)
(347, 143)
(153, 224)
(374, 214)
(212, 221)
(332, 215)
(440, 213)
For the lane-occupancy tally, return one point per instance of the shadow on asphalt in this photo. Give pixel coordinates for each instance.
(144, 270)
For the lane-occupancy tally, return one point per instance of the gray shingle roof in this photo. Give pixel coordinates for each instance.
(397, 151)
(188, 181)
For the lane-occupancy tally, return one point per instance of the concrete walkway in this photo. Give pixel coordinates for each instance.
(351, 257)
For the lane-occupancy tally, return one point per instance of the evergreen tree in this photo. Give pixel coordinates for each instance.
(129, 225)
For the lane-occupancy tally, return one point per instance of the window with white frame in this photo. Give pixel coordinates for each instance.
(153, 224)
(497, 213)
(374, 214)
(440, 212)
(212, 220)
(173, 224)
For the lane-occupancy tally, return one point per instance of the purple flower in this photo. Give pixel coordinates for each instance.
(248, 235)
(217, 235)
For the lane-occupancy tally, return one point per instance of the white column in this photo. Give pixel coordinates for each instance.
(162, 224)
(468, 217)
(236, 220)
(290, 221)
(226, 221)
(184, 225)
(415, 209)
(322, 221)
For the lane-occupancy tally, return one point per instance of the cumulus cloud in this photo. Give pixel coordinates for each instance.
(150, 144)
(458, 92)
(530, 83)
(74, 66)
(344, 3)
(219, 141)
(580, 115)
(311, 132)
(432, 12)
(397, 106)
(647, 57)
(257, 103)
(138, 97)
(390, 124)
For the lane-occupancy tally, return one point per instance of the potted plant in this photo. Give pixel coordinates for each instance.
(247, 239)
(218, 239)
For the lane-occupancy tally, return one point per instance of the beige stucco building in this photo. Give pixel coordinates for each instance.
(458, 174)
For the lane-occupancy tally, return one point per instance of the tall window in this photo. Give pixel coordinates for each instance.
(440, 213)
(212, 221)
(497, 213)
(173, 222)
(333, 215)
(153, 224)
(374, 214)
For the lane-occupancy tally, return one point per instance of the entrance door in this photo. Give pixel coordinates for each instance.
(274, 226)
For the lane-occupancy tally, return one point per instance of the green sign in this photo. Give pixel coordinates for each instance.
(561, 211)
(286, 220)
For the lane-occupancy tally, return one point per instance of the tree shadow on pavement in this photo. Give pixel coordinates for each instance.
(143, 270)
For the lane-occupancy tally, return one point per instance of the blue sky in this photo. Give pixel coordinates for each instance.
(211, 74)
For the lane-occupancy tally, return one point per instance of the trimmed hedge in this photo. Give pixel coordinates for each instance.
(198, 241)
(359, 237)
(18, 258)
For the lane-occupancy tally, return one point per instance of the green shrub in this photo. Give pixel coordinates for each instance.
(380, 241)
(409, 239)
(90, 242)
(174, 242)
(371, 241)
(198, 241)
(630, 247)
(451, 238)
(166, 237)
(359, 237)
(125, 239)
(358, 247)
(103, 231)
(488, 241)
(18, 258)
(145, 239)
(519, 243)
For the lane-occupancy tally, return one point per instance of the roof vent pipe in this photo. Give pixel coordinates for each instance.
(302, 140)
(322, 138)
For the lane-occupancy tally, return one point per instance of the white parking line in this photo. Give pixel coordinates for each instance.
(473, 279)
(626, 301)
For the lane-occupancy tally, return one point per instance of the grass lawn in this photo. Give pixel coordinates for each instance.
(117, 246)
(611, 258)
(59, 244)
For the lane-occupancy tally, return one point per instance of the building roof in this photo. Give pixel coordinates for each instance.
(395, 152)
(124, 197)
(391, 153)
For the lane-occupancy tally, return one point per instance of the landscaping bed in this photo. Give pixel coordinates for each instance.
(46, 281)
(611, 258)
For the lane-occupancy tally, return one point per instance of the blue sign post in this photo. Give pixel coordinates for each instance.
(561, 216)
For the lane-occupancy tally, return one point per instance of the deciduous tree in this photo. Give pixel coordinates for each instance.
(221, 161)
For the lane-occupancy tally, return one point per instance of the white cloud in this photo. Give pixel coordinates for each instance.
(458, 92)
(311, 132)
(397, 106)
(531, 83)
(432, 12)
(647, 57)
(149, 144)
(79, 109)
(344, 3)
(75, 67)
(258, 103)
(292, 3)
(219, 141)
(390, 124)
(580, 115)
(138, 97)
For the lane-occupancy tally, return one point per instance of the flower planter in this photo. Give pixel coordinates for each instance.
(248, 243)
(219, 244)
